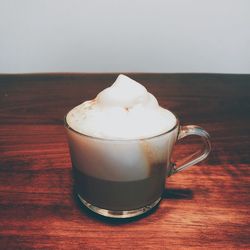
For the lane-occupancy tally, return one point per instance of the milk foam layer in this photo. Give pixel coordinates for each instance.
(125, 110)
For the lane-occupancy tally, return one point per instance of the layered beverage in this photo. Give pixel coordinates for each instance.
(121, 143)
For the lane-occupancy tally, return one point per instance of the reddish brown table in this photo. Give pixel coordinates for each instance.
(206, 206)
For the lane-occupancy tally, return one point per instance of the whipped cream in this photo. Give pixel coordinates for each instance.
(125, 110)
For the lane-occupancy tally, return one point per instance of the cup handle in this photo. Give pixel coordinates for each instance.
(198, 155)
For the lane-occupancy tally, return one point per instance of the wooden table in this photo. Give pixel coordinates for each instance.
(205, 207)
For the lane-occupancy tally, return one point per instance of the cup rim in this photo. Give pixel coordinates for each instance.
(66, 125)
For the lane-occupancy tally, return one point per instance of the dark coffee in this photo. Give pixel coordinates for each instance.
(121, 195)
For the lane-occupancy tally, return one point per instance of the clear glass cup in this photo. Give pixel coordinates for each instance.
(126, 178)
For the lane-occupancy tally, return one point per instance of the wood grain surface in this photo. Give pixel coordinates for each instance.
(204, 207)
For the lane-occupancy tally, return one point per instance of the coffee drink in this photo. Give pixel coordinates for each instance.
(121, 144)
(119, 161)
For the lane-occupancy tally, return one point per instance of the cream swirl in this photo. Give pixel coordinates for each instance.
(125, 110)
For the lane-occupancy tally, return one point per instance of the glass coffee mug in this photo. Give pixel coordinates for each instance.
(126, 178)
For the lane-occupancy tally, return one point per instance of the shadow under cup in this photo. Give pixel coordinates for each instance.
(120, 178)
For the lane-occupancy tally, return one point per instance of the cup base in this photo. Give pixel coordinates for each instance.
(118, 214)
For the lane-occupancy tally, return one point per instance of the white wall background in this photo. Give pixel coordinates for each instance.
(125, 36)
